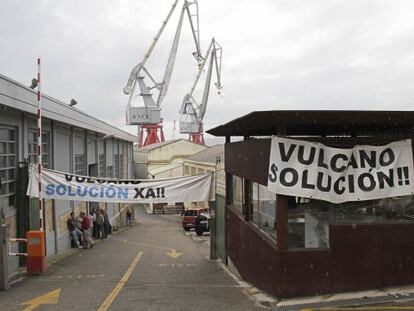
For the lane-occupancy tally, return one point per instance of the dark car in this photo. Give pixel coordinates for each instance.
(201, 223)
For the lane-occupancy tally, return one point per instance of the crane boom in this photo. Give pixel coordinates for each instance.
(206, 93)
(190, 110)
(195, 29)
(137, 68)
(171, 60)
(200, 70)
(162, 87)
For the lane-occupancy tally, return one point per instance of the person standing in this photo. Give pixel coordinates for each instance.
(100, 222)
(86, 225)
(129, 217)
(95, 229)
(73, 230)
(107, 223)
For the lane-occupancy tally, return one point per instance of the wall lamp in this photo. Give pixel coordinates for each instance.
(34, 84)
(101, 138)
(73, 103)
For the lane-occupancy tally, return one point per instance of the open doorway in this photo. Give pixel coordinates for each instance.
(92, 171)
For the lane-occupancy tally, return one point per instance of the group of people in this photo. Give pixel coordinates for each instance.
(80, 227)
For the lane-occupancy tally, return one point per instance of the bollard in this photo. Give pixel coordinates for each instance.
(212, 226)
(35, 252)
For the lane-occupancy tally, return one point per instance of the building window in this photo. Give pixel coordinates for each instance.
(79, 164)
(110, 171)
(121, 166)
(116, 165)
(32, 142)
(200, 171)
(102, 166)
(193, 171)
(8, 164)
(186, 170)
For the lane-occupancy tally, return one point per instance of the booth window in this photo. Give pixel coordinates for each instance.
(238, 193)
(308, 223)
(8, 164)
(264, 209)
(309, 220)
(388, 210)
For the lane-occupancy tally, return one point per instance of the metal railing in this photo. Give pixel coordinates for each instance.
(16, 240)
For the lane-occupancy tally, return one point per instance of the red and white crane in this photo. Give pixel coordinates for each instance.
(148, 116)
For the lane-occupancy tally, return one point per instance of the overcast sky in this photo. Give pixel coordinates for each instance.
(290, 54)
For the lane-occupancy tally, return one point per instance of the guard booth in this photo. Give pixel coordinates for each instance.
(291, 246)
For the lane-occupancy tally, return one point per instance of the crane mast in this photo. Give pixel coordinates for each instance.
(191, 113)
(148, 117)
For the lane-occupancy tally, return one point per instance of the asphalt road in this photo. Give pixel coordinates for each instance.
(151, 266)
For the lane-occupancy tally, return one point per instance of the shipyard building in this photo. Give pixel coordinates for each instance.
(73, 141)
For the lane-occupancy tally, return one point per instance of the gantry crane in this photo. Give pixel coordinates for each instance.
(192, 114)
(148, 117)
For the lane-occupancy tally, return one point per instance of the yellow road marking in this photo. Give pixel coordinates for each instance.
(359, 308)
(148, 245)
(174, 254)
(115, 292)
(50, 298)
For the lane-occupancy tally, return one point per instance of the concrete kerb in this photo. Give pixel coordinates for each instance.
(351, 299)
(260, 298)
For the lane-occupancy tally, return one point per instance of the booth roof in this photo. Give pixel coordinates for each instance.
(318, 123)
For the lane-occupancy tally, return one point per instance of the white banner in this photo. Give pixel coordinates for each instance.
(66, 186)
(313, 170)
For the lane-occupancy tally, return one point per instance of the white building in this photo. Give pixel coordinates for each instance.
(164, 159)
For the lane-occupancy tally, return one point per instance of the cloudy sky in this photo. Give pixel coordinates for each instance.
(277, 54)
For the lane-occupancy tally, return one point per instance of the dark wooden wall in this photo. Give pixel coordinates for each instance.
(360, 257)
(253, 254)
(248, 159)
